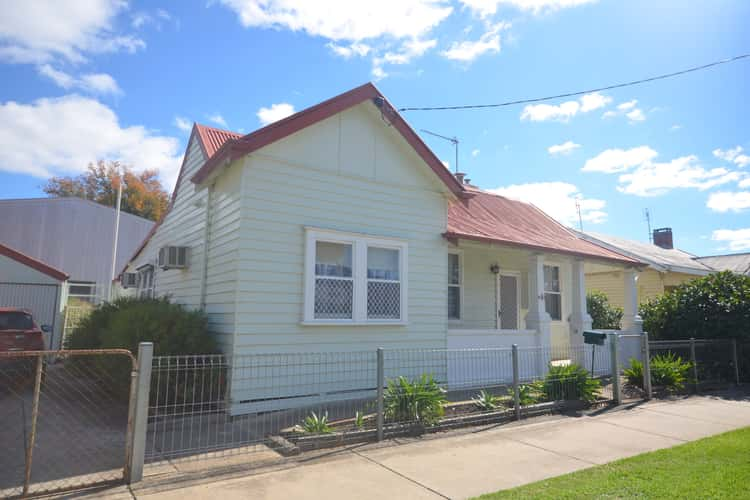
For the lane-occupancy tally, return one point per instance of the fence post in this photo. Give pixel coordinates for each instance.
(139, 408)
(34, 417)
(647, 367)
(735, 360)
(615, 368)
(516, 384)
(694, 363)
(381, 383)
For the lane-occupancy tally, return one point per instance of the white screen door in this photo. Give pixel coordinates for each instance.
(508, 301)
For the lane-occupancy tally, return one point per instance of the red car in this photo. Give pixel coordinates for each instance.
(19, 331)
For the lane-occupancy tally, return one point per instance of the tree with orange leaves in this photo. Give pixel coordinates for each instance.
(142, 194)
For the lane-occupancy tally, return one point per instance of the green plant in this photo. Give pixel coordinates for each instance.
(359, 420)
(634, 374)
(173, 330)
(486, 401)
(419, 400)
(570, 382)
(670, 371)
(315, 424)
(528, 394)
(604, 315)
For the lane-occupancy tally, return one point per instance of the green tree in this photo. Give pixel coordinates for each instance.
(142, 194)
(605, 316)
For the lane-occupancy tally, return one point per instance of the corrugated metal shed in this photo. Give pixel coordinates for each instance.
(71, 234)
(738, 263)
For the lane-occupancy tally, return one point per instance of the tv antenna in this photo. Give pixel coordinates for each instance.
(580, 218)
(647, 214)
(452, 140)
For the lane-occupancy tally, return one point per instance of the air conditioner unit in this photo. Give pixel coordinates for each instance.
(173, 257)
(129, 280)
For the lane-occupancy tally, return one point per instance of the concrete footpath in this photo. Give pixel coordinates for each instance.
(471, 463)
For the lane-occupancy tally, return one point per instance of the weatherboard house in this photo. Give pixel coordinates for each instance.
(338, 229)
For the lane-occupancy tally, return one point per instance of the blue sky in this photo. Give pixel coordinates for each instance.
(84, 80)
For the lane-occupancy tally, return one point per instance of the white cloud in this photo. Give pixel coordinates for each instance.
(733, 155)
(627, 109)
(95, 83)
(43, 30)
(467, 51)
(736, 239)
(474, 153)
(142, 18)
(218, 120)
(617, 160)
(744, 183)
(343, 19)
(274, 113)
(565, 111)
(636, 115)
(351, 50)
(485, 8)
(62, 136)
(565, 148)
(726, 201)
(653, 179)
(183, 123)
(675, 127)
(557, 199)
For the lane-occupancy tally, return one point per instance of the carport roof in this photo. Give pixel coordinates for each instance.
(32, 263)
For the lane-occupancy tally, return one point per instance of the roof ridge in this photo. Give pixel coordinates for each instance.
(33, 262)
(201, 125)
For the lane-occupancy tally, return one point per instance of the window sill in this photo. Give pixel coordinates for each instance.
(354, 323)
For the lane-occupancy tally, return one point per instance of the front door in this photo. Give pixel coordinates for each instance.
(508, 310)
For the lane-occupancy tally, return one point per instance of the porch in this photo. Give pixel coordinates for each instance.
(501, 295)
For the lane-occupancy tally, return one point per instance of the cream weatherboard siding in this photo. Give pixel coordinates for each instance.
(184, 225)
(349, 173)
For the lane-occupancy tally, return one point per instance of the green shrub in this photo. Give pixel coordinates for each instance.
(419, 400)
(528, 394)
(715, 306)
(486, 401)
(569, 383)
(634, 374)
(359, 420)
(315, 424)
(670, 371)
(173, 330)
(604, 315)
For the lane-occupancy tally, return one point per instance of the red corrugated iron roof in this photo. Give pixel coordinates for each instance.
(234, 149)
(492, 218)
(213, 138)
(32, 263)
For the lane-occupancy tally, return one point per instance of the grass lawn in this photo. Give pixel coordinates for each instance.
(715, 467)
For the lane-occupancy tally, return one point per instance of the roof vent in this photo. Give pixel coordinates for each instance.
(460, 177)
(663, 238)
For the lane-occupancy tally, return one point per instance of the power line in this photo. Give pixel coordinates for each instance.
(572, 94)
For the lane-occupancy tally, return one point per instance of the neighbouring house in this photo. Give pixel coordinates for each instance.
(737, 263)
(31, 284)
(75, 236)
(338, 229)
(667, 267)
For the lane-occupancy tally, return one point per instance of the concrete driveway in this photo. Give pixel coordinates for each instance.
(467, 464)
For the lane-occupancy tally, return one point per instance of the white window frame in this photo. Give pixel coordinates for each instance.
(460, 286)
(550, 292)
(147, 291)
(359, 243)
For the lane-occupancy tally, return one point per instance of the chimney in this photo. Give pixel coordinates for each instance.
(663, 238)
(460, 177)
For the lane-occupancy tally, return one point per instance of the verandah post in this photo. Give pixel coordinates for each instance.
(381, 383)
(516, 386)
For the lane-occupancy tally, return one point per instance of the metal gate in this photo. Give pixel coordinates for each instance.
(40, 299)
(65, 419)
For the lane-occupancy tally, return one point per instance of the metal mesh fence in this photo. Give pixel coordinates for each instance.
(683, 366)
(266, 404)
(64, 420)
